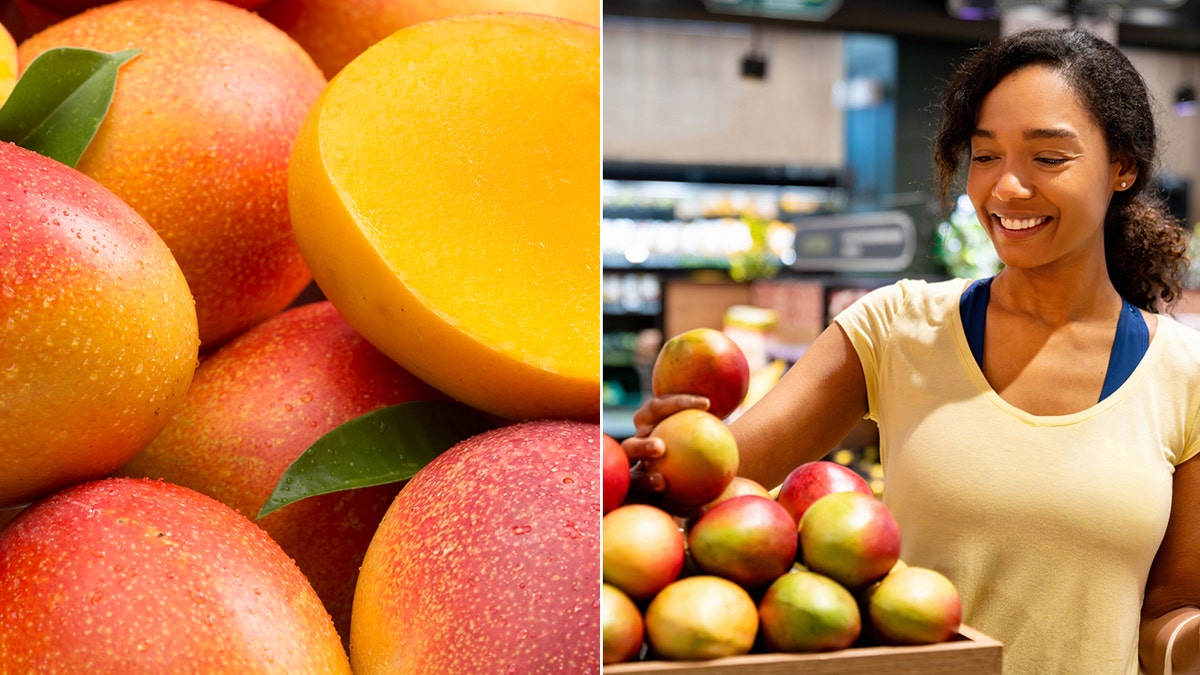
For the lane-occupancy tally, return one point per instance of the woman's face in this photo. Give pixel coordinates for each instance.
(1040, 173)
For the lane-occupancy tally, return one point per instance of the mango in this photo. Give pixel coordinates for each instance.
(444, 191)
(701, 617)
(850, 537)
(197, 141)
(65, 8)
(810, 481)
(915, 606)
(334, 32)
(254, 406)
(123, 575)
(488, 561)
(808, 612)
(8, 63)
(98, 336)
(621, 625)
(750, 540)
(704, 362)
(643, 550)
(700, 461)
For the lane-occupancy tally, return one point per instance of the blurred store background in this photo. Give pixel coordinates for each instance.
(767, 161)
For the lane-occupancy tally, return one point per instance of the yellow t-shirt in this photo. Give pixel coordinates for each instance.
(1046, 524)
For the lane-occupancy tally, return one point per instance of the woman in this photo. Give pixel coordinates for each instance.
(1036, 428)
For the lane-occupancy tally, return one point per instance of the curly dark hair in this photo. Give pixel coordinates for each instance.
(1145, 246)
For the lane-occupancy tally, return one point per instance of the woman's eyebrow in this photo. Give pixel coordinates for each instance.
(1030, 134)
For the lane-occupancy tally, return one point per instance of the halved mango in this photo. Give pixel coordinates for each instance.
(8, 64)
(445, 192)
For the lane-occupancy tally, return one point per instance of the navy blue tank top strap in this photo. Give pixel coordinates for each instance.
(1130, 343)
(973, 309)
(1129, 346)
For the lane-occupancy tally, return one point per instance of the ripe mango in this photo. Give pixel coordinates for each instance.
(98, 336)
(124, 575)
(197, 141)
(488, 561)
(255, 405)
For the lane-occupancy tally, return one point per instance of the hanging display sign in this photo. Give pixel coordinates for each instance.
(860, 242)
(807, 10)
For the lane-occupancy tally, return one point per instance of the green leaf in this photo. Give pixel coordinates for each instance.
(383, 446)
(60, 100)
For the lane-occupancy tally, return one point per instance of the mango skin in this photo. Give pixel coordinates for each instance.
(197, 140)
(701, 617)
(915, 606)
(622, 627)
(643, 550)
(65, 8)
(142, 576)
(704, 362)
(334, 32)
(98, 335)
(255, 405)
(850, 537)
(700, 461)
(808, 612)
(488, 561)
(750, 540)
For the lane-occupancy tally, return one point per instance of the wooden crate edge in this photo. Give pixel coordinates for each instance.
(971, 641)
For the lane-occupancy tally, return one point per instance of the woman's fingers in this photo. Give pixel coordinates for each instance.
(659, 408)
(646, 481)
(643, 447)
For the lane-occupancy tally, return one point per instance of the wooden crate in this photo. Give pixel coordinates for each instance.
(970, 653)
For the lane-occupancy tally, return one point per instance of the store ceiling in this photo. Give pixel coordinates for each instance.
(1178, 29)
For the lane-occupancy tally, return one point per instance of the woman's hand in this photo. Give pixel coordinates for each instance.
(641, 446)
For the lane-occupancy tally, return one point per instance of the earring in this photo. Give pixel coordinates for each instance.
(1124, 185)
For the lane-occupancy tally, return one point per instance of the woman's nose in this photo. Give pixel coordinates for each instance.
(1010, 186)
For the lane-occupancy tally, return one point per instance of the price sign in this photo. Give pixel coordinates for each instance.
(884, 242)
(808, 10)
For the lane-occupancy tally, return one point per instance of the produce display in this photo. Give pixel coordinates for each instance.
(813, 566)
(258, 403)
(298, 373)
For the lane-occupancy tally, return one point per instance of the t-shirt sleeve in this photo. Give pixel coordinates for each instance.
(1192, 447)
(868, 324)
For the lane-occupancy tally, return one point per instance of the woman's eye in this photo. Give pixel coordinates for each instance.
(981, 158)
(1051, 161)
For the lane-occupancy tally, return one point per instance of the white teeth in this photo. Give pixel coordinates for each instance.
(1019, 223)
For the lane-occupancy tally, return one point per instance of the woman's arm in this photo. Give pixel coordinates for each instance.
(1171, 611)
(803, 417)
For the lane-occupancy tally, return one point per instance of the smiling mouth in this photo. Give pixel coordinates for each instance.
(1021, 223)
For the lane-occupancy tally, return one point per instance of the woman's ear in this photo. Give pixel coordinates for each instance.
(1125, 174)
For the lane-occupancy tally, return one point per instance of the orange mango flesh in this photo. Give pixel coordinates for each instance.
(445, 193)
(8, 64)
